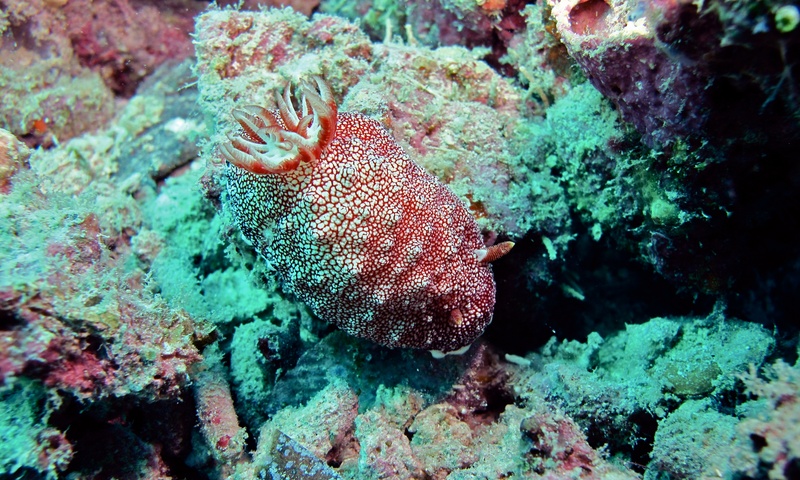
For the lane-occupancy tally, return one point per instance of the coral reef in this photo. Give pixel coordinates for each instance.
(397, 431)
(645, 321)
(306, 7)
(78, 315)
(27, 443)
(81, 320)
(627, 382)
(760, 440)
(700, 154)
(13, 155)
(697, 441)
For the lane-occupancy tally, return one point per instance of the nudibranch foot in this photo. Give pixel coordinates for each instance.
(278, 142)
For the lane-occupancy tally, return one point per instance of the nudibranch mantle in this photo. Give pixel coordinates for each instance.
(354, 228)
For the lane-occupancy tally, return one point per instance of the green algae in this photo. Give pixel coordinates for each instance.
(530, 56)
(695, 441)
(382, 17)
(24, 412)
(573, 140)
(261, 351)
(650, 370)
(191, 270)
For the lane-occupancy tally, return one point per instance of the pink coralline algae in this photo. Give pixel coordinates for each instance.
(358, 231)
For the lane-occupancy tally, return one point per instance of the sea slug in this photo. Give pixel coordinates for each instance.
(354, 228)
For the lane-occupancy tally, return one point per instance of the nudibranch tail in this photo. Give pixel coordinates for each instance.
(277, 141)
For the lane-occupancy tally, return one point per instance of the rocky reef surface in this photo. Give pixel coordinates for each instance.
(641, 154)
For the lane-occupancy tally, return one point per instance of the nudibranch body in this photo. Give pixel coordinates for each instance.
(359, 232)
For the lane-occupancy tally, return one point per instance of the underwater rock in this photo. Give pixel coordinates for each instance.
(290, 459)
(770, 428)
(63, 59)
(618, 50)
(697, 441)
(219, 423)
(675, 68)
(13, 154)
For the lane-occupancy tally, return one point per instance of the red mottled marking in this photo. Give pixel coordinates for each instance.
(362, 234)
